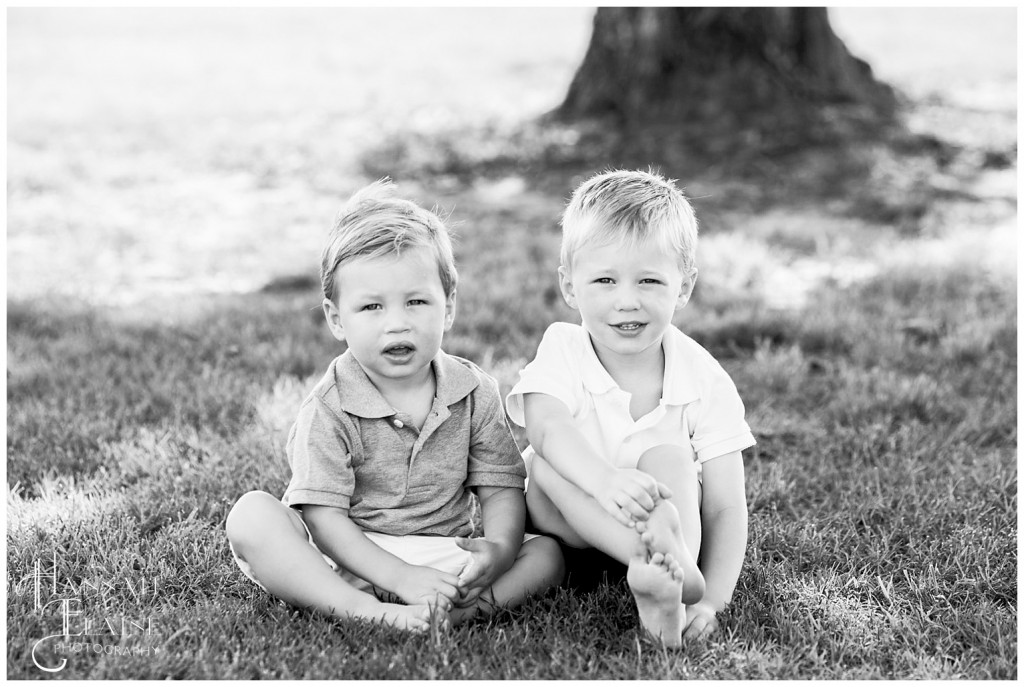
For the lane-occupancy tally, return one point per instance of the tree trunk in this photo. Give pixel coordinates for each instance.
(722, 69)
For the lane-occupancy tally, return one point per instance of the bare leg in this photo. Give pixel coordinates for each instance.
(577, 518)
(676, 533)
(562, 508)
(270, 537)
(537, 567)
(656, 582)
(545, 514)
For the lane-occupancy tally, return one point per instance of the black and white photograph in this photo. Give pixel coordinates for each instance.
(511, 343)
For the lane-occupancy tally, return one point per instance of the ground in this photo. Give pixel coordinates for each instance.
(169, 183)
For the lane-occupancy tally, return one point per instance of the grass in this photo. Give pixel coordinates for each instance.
(882, 497)
(877, 360)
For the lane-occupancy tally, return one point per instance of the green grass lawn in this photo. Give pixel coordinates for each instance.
(149, 384)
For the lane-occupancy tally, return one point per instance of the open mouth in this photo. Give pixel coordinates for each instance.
(628, 326)
(399, 350)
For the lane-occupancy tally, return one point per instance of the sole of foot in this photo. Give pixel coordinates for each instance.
(656, 582)
(661, 533)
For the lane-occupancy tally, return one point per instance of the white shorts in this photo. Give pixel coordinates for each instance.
(441, 553)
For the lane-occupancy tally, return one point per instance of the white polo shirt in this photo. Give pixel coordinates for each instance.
(700, 410)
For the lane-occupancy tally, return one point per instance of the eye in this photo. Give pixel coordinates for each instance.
(371, 306)
(417, 301)
(650, 280)
(604, 280)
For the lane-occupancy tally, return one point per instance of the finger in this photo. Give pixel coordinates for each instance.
(663, 491)
(707, 626)
(471, 596)
(644, 484)
(470, 579)
(636, 510)
(448, 591)
(469, 544)
(627, 502)
(644, 500)
(442, 602)
(448, 578)
(696, 629)
(639, 490)
(616, 512)
(640, 487)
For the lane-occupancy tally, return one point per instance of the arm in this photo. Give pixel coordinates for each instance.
(627, 495)
(724, 539)
(343, 541)
(503, 510)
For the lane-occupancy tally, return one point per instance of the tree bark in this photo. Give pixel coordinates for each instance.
(723, 68)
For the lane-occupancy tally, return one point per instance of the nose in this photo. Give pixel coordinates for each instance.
(398, 321)
(627, 298)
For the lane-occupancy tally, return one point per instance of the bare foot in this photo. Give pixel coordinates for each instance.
(415, 618)
(656, 583)
(660, 533)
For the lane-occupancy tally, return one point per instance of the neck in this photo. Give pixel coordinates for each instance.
(624, 368)
(396, 389)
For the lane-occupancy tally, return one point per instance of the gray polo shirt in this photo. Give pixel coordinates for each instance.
(350, 449)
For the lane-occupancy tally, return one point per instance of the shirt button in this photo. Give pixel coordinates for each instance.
(398, 423)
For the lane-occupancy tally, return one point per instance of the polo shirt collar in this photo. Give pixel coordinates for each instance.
(680, 383)
(454, 381)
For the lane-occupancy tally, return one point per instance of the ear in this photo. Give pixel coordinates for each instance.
(333, 317)
(565, 284)
(686, 289)
(449, 311)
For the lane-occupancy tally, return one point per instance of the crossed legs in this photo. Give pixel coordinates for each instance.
(272, 541)
(295, 572)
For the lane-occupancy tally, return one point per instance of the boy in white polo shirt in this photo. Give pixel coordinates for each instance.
(635, 430)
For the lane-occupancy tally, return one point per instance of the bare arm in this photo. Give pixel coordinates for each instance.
(554, 436)
(503, 510)
(724, 538)
(341, 539)
(627, 495)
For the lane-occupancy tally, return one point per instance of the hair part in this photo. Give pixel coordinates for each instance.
(374, 223)
(633, 207)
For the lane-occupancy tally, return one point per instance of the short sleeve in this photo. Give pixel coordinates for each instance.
(719, 425)
(320, 458)
(494, 459)
(554, 371)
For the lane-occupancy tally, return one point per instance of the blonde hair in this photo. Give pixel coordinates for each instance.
(373, 224)
(634, 207)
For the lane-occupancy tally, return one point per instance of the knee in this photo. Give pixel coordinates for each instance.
(548, 560)
(248, 518)
(540, 470)
(663, 458)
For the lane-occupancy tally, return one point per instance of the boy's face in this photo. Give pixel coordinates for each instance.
(393, 312)
(626, 295)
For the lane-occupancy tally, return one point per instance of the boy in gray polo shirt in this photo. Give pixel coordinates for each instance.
(388, 445)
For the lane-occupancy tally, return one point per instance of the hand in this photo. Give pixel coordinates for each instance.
(701, 621)
(488, 562)
(420, 584)
(630, 495)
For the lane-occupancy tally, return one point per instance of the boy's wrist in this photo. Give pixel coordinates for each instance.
(392, 578)
(598, 477)
(505, 551)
